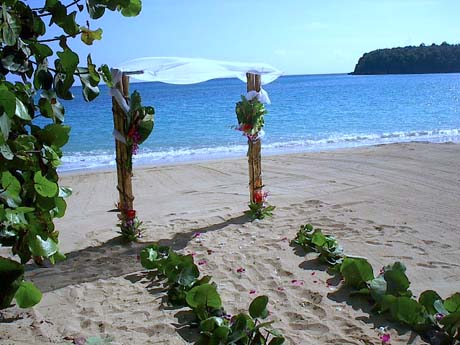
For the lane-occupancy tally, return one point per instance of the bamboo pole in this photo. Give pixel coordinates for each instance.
(124, 169)
(254, 150)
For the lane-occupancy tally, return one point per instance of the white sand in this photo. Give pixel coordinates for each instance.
(388, 203)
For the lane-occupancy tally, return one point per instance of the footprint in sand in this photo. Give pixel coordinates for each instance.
(315, 329)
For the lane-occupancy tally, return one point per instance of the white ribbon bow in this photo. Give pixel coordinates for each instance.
(262, 96)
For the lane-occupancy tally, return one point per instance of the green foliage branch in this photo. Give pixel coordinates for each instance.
(30, 152)
(436, 320)
(185, 289)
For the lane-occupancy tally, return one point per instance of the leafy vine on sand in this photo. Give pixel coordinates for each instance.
(434, 319)
(181, 276)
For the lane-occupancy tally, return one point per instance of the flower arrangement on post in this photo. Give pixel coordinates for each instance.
(130, 226)
(138, 125)
(250, 113)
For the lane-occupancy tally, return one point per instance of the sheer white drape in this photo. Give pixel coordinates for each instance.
(174, 70)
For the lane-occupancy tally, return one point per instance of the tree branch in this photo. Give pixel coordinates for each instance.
(56, 38)
(49, 14)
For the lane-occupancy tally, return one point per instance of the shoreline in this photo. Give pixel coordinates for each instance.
(236, 156)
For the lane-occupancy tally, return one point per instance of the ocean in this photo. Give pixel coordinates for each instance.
(308, 113)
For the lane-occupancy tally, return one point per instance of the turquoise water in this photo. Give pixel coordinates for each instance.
(308, 113)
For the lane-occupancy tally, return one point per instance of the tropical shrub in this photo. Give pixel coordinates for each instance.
(30, 150)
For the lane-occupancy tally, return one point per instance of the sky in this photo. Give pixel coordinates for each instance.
(295, 36)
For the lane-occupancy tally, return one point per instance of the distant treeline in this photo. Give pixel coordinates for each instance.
(444, 58)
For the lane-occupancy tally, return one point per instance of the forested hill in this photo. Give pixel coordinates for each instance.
(444, 58)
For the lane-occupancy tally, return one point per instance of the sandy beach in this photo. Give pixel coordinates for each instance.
(397, 202)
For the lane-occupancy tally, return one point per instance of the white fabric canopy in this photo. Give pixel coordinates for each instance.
(174, 70)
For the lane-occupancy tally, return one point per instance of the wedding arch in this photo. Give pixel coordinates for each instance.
(183, 71)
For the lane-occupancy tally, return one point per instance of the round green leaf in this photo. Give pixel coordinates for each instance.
(452, 304)
(11, 189)
(149, 257)
(427, 299)
(378, 288)
(132, 9)
(7, 102)
(408, 311)
(21, 110)
(211, 323)
(356, 271)
(55, 134)
(40, 50)
(277, 341)
(89, 36)
(5, 125)
(40, 247)
(204, 295)
(27, 295)
(43, 186)
(451, 322)
(258, 307)
(5, 150)
(11, 28)
(12, 273)
(221, 332)
(60, 208)
(65, 192)
(397, 281)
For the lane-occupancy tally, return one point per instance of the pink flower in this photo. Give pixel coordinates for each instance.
(296, 282)
(240, 270)
(313, 273)
(252, 292)
(202, 262)
(439, 316)
(385, 338)
(196, 234)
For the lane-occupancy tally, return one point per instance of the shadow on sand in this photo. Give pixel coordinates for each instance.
(113, 258)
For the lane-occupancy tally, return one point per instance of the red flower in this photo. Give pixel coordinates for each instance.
(131, 132)
(258, 197)
(246, 127)
(131, 214)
